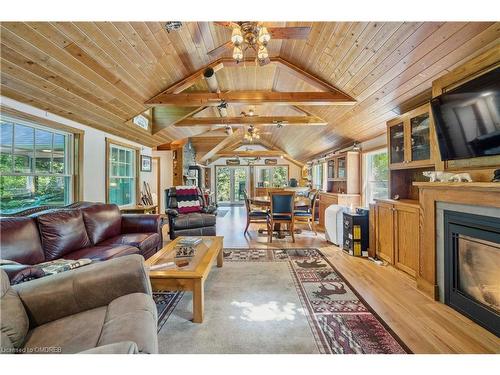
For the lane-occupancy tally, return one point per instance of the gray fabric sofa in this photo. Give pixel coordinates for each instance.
(105, 307)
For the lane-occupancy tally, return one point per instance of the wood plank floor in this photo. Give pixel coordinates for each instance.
(424, 325)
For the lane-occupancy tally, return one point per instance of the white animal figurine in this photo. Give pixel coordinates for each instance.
(461, 177)
(438, 176)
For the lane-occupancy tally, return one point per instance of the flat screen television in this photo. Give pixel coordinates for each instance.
(467, 118)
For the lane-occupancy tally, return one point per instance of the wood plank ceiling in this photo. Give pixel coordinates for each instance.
(102, 73)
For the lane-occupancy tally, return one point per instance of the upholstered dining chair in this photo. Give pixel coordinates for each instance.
(307, 214)
(281, 212)
(254, 215)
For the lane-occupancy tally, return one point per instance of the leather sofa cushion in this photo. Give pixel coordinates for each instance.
(143, 241)
(194, 220)
(132, 317)
(20, 240)
(73, 333)
(62, 232)
(102, 252)
(102, 221)
(14, 322)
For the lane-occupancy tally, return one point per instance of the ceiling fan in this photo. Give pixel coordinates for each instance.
(255, 36)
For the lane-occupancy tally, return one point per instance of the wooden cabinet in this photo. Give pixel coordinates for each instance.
(410, 141)
(327, 199)
(385, 231)
(406, 241)
(397, 233)
(343, 173)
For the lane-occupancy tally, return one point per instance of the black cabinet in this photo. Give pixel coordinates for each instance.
(356, 232)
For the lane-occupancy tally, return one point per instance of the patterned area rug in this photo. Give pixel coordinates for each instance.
(340, 320)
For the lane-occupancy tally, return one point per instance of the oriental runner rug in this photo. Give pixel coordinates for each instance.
(275, 301)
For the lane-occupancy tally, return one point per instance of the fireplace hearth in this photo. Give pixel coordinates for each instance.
(472, 267)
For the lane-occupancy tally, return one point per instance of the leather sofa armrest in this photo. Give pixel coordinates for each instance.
(141, 223)
(19, 273)
(123, 347)
(172, 212)
(68, 293)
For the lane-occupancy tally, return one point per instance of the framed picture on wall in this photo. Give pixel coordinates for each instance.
(145, 163)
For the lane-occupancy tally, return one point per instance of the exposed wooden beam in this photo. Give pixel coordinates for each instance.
(221, 145)
(270, 145)
(251, 120)
(172, 145)
(190, 80)
(251, 153)
(252, 97)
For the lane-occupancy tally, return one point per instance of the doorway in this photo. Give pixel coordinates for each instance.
(230, 183)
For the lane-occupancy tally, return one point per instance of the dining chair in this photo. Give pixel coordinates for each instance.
(253, 215)
(308, 214)
(281, 212)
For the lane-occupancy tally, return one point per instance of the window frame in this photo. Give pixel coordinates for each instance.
(264, 166)
(364, 181)
(109, 144)
(73, 153)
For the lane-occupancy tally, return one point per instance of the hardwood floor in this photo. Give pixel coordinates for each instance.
(424, 325)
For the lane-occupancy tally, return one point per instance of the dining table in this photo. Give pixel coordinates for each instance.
(300, 202)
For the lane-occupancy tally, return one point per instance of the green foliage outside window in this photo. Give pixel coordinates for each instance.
(33, 168)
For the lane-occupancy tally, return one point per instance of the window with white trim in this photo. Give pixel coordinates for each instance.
(35, 165)
(375, 175)
(122, 179)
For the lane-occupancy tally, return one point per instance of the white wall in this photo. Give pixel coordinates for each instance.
(94, 179)
(165, 174)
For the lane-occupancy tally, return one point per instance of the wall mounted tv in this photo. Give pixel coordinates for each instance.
(467, 118)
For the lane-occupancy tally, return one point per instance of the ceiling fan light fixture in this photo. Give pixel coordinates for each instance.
(262, 53)
(237, 53)
(264, 36)
(237, 36)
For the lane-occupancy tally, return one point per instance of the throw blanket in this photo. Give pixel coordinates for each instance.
(187, 199)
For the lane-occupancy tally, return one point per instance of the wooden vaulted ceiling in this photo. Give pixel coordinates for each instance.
(102, 73)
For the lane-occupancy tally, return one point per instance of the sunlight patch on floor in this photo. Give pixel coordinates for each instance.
(270, 311)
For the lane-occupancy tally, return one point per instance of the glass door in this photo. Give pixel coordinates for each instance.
(420, 137)
(230, 184)
(397, 143)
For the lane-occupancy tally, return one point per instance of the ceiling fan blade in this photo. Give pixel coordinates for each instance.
(289, 32)
(221, 49)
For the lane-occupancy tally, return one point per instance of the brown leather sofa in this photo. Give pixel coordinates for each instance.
(105, 307)
(97, 231)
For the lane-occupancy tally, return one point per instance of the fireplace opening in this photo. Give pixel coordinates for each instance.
(472, 267)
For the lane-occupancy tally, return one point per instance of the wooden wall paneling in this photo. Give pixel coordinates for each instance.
(134, 67)
(120, 99)
(367, 51)
(52, 33)
(116, 66)
(353, 121)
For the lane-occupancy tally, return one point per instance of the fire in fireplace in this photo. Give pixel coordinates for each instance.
(472, 267)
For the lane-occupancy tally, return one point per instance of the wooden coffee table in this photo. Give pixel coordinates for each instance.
(191, 277)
